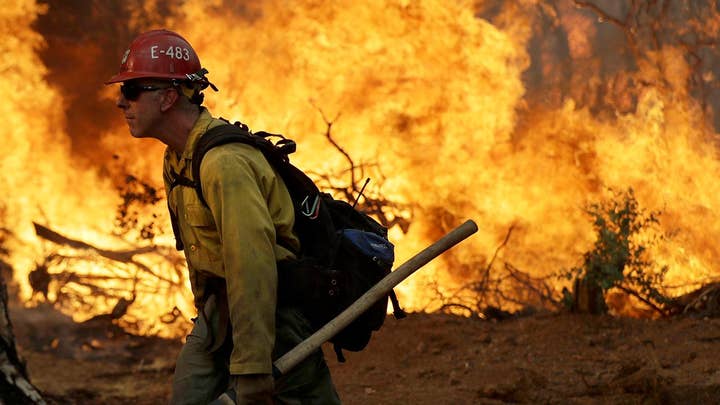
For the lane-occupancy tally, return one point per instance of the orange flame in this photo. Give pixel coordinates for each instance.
(439, 97)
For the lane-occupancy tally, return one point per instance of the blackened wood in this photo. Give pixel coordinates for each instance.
(15, 386)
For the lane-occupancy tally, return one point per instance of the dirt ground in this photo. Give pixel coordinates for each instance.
(423, 359)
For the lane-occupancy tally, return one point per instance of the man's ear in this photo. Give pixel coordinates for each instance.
(168, 98)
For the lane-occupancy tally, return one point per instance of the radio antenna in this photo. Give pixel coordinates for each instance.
(361, 192)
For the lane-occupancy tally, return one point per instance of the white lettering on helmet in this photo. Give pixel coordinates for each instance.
(173, 52)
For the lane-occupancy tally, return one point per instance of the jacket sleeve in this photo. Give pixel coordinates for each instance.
(233, 185)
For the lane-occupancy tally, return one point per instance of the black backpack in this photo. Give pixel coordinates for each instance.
(343, 253)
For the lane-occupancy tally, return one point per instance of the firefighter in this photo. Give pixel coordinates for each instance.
(232, 243)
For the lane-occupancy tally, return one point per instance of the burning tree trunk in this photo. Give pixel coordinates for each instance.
(15, 386)
(588, 297)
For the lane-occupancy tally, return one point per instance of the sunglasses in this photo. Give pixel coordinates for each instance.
(132, 91)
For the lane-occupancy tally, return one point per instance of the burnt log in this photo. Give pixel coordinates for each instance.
(588, 297)
(122, 256)
(15, 386)
(701, 303)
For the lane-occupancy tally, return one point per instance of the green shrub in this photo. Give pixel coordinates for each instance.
(619, 257)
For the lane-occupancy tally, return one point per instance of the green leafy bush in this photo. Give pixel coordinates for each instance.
(619, 257)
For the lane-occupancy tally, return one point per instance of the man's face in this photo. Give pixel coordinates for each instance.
(140, 101)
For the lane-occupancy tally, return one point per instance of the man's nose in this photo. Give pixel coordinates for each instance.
(121, 102)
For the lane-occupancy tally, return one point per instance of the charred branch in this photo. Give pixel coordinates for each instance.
(536, 287)
(328, 136)
(131, 215)
(123, 256)
(15, 386)
(452, 306)
(702, 302)
(389, 213)
(643, 299)
(649, 27)
(63, 279)
(604, 16)
(496, 288)
(482, 287)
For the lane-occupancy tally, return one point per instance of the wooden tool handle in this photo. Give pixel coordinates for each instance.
(379, 290)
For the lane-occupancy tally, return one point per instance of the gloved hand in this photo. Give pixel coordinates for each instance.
(253, 389)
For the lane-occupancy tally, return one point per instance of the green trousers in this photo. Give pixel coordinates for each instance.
(201, 376)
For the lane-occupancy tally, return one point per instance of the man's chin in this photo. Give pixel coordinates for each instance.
(137, 134)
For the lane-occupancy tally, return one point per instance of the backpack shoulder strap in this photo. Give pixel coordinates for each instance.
(217, 136)
(311, 222)
(275, 153)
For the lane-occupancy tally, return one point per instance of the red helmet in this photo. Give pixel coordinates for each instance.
(160, 54)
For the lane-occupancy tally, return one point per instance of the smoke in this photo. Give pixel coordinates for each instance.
(515, 114)
(584, 51)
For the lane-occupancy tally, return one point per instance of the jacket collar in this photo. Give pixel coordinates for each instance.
(180, 164)
(202, 124)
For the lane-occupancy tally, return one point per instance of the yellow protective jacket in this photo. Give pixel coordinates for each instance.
(237, 236)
